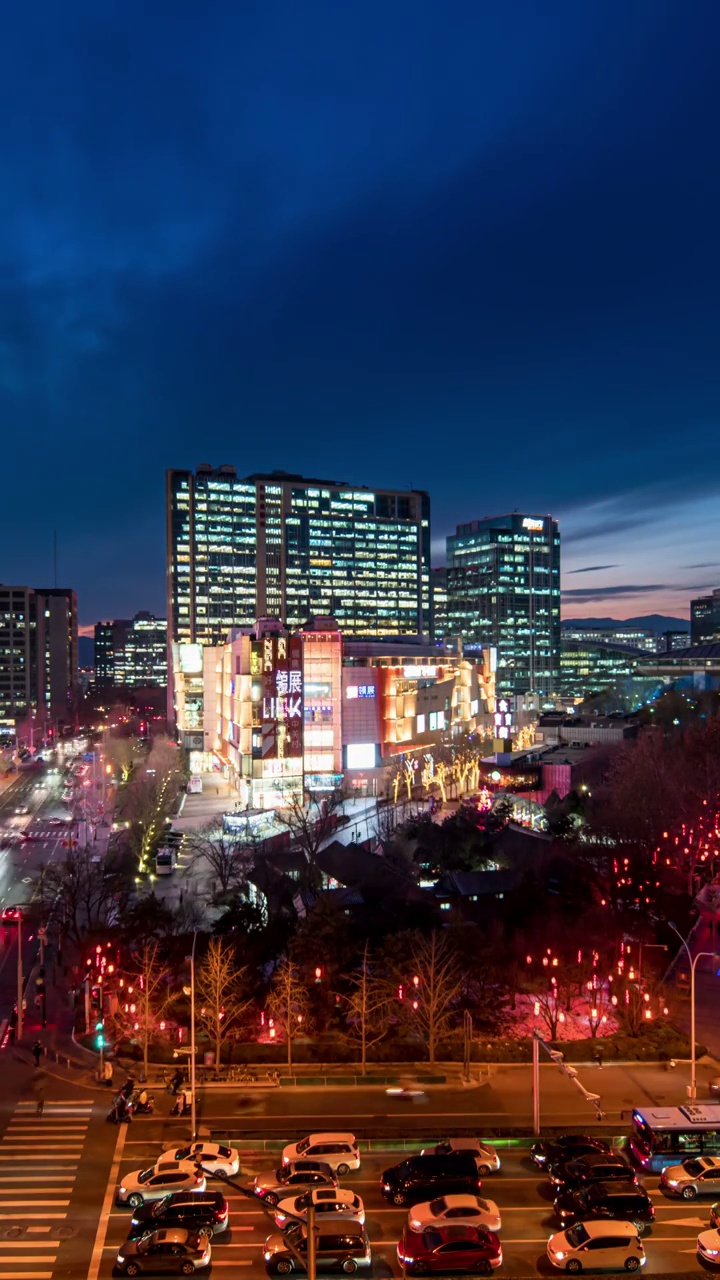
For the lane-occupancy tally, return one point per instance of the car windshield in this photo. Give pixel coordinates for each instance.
(224, 1152)
(693, 1167)
(577, 1235)
(160, 1206)
(303, 1145)
(437, 1206)
(183, 1153)
(146, 1173)
(302, 1202)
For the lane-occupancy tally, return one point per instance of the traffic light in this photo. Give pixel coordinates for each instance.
(100, 1034)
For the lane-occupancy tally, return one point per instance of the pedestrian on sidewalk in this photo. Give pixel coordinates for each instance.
(599, 1056)
(37, 1052)
(108, 1073)
(177, 1081)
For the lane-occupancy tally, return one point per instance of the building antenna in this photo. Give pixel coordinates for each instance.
(55, 557)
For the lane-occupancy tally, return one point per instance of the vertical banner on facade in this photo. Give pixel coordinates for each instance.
(295, 696)
(269, 716)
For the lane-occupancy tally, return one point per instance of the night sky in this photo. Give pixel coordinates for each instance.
(468, 247)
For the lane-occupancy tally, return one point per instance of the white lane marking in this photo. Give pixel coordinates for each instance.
(27, 1275)
(30, 1257)
(101, 1234)
(25, 1217)
(30, 1230)
(29, 1244)
(55, 1161)
(38, 1177)
(54, 1204)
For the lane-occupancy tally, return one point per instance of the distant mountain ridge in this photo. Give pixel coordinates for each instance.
(86, 651)
(657, 622)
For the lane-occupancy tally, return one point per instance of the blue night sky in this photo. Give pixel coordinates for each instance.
(468, 247)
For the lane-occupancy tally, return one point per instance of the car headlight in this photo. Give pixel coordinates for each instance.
(120, 1260)
(560, 1255)
(415, 1224)
(268, 1256)
(122, 1191)
(672, 1182)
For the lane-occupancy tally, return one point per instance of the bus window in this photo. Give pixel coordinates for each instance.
(689, 1144)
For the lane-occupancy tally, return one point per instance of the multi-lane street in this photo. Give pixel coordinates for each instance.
(30, 839)
(522, 1194)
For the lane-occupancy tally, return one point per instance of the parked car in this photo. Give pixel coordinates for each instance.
(624, 1200)
(449, 1249)
(462, 1211)
(296, 1177)
(173, 1252)
(213, 1156)
(696, 1177)
(426, 1177)
(205, 1211)
(715, 1214)
(339, 1150)
(592, 1168)
(147, 1184)
(486, 1157)
(597, 1246)
(708, 1246)
(567, 1147)
(337, 1250)
(331, 1204)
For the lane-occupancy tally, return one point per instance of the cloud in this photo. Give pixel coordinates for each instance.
(594, 568)
(604, 593)
(704, 564)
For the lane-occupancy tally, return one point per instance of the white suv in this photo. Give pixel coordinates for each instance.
(338, 1150)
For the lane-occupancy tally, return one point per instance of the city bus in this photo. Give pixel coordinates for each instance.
(165, 860)
(667, 1135)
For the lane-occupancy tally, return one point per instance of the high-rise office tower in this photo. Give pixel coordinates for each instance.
(503, 584)
(131, 652)
(38, 661)
(58, 625)
(282, 546)
(705, 618)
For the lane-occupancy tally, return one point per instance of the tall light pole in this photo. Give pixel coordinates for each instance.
(19, 978)
(193, 1105)
(693, 965)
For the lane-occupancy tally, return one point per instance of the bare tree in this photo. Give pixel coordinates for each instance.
(149, 799)
(221, 989)
(311, 824)
(368, 1007)
(287, 1003)
(148, 990)
(86, 895)
(119, 753)
(433, 998)
(228, 858)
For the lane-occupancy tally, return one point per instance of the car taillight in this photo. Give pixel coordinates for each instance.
(223, 1213)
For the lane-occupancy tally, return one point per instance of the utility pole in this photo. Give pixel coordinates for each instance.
(536, 1086)
(19, 978)
(193, 1104)
(467, 1042)
(311, 1243)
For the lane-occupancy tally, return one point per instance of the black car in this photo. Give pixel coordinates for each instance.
(196, 1210)
(425, 1177)
(623, 1200)
(567, 1147)
(593, 1168)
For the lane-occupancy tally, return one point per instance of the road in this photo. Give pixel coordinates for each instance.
(521, 1193)
(21, 862)
(59, 1175)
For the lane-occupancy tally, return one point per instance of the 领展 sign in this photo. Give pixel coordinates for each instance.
(419, 673)
(280, 709)
(360, 691)
(536, 526)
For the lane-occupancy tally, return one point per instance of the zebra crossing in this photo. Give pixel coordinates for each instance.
(39, 1160)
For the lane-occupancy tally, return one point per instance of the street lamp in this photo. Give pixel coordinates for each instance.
(693, 965)
(193, 1105)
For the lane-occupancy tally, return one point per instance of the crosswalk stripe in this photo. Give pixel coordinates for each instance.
(38, 1177)
(19, 1204)
(27, 1275)
(56, 1162)
(26, 1217)
(28, 1244)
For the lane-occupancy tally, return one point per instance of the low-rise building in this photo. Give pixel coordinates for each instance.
(286, 713)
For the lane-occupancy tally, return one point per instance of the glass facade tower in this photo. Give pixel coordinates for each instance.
(503, 590)
(286, 547)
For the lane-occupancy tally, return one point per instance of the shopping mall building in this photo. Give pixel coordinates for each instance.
(285, 713)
